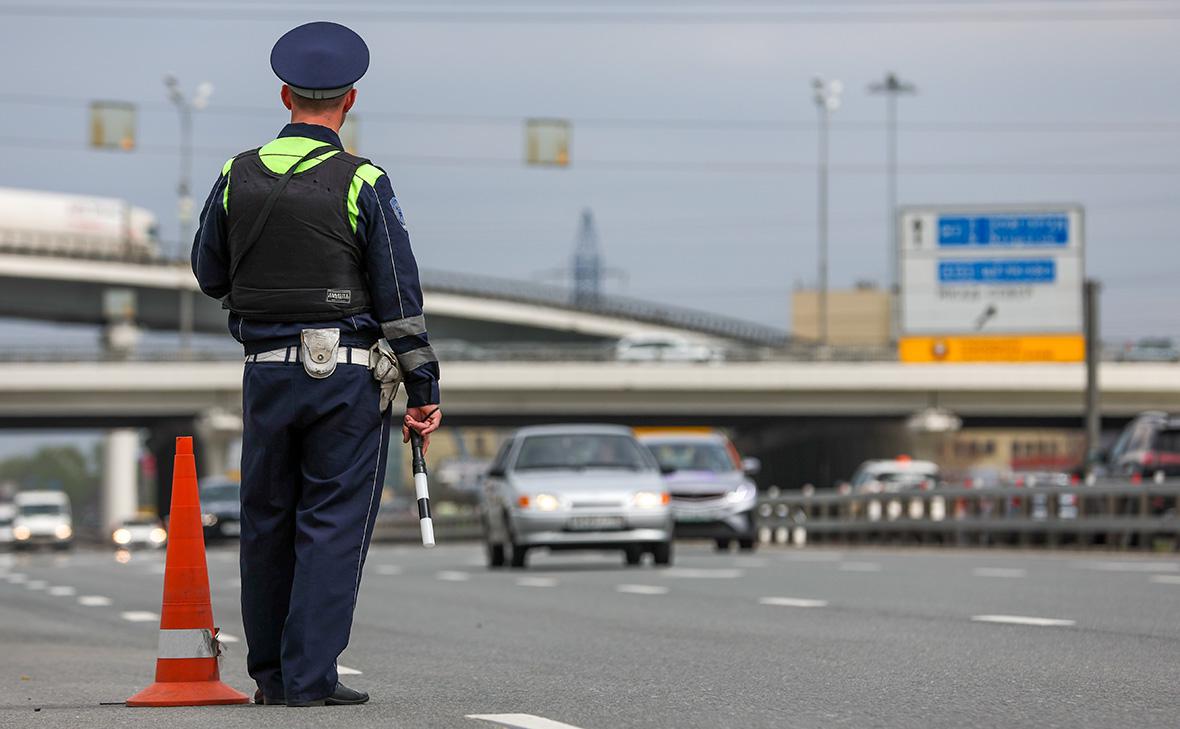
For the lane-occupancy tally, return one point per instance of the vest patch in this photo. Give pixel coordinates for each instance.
(339, 296)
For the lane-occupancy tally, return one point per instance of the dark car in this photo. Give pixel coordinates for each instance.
(221, 508)
(1149, 445)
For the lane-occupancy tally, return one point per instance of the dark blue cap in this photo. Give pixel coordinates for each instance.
(320, 60)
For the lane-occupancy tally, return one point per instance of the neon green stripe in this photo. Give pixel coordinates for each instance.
(366, 174)
(225, 174)
(279, 155)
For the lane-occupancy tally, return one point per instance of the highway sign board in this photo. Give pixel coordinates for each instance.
(994, 282)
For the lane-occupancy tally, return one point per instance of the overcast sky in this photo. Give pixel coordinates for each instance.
(1017, 102)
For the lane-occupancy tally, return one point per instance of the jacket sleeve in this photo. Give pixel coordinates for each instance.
(210, 254)
(395, 288)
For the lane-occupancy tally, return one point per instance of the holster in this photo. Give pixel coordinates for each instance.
(318, 351)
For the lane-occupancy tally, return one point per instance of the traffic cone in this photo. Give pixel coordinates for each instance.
(186, 666)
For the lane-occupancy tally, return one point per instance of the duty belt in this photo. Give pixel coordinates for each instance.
(290, 355)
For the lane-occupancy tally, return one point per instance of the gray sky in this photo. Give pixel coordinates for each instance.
(719, 219)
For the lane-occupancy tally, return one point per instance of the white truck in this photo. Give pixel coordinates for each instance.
(42, 518)
(50, 223)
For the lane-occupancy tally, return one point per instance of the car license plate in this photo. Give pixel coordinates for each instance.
(594, 523)
(231, 528)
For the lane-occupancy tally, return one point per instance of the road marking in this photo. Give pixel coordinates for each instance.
(62, 591)
(750, 561)
(536, 582)
(812, 557)
(1166, 579)
(1131, 566)
(155, 569)
(389, 569)
(1011, 572)
(453, 576)
(346, 671)
(521, 721)
(860, 567)
(702, 574)
(642, 589)
(228, 638)
(1023, 620)
(17, 578)
(139, 616)
(94, 601)
(799, 602)
(36, 584)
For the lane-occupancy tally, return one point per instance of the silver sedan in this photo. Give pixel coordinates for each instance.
(575, 487)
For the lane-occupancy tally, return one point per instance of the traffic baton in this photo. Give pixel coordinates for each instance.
(421, 489)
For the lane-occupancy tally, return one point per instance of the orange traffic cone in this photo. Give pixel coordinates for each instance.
(186, 667)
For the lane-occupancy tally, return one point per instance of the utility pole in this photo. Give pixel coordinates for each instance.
(587, 268)
(1090, 291)
(184, 212)
(892, 87)
(827, 100)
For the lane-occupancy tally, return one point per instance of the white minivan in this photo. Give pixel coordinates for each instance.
(42, 517)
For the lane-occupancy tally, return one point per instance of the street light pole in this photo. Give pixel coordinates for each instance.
(892, 87)
(184, 212)
(827, 100)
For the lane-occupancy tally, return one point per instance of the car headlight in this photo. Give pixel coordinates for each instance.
(651, 499)
(158, 536)
(121, 536)
(546, 502)
(209, 519)
(21, 533)
(63, 531)
(741, 493)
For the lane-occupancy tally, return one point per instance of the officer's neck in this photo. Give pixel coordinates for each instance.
(331, 121)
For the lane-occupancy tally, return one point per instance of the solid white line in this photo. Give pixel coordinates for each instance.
(94, 601)
(391, 569)
(1166, 579)
(521, 721)
(1023, 620)
(62, 591)
(799, 602)
(536, 582)
(452, 576)
(36, 584)
(139, 616)
(228, 638)
(346, 671)
(860, 567)
(702, 574)
(642, 589)
(1012, 572)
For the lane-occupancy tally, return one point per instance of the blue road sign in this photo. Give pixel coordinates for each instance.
(1013, 271)
(1012, 231)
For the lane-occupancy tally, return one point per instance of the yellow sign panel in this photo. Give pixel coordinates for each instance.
(994, 348)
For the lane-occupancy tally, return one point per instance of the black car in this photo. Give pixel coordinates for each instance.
(221, 509)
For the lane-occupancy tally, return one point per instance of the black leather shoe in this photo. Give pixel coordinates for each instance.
(340, 696)
(261, 698)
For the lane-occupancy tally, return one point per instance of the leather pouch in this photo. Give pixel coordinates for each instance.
(318, 351)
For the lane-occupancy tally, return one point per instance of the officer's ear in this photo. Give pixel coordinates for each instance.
(349, 100)
(285, 95)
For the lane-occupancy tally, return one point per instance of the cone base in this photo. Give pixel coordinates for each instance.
(188, 693)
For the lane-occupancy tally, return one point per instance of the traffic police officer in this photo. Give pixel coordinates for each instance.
(306, 245)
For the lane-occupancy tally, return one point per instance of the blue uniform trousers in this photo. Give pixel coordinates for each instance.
(313, 463)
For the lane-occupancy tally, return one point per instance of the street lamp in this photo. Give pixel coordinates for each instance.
(186, 107)
(827, 100)
(892, 87)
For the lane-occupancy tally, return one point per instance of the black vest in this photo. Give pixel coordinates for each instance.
(305, 265)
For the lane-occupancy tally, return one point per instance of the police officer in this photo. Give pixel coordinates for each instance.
(306, 245)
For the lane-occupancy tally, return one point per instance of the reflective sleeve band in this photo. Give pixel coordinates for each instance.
(415, 358)
(196, 643)
(407, 327)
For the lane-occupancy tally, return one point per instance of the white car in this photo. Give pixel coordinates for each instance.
(7, 515)
(42, 517)
(894, 475)
(140, 532)
(664, 348)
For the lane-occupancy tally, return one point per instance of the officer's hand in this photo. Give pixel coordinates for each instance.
(425, 420)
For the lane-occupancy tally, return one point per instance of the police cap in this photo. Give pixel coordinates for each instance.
(320, 60)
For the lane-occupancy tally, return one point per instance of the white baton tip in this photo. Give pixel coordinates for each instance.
(427, 532)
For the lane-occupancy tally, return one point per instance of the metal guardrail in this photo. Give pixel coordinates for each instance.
(1111, 514)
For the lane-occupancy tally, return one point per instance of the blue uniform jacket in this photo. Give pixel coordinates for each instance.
(394, 287)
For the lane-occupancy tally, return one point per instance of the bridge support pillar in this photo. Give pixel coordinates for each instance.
(217, 430)
(120, 469)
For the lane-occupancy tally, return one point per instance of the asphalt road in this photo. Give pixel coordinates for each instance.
(782, 638)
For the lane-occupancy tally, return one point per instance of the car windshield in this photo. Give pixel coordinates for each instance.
(1167, 440)
(693, 456)
(220, 492)
(41, 509)
(579, 450)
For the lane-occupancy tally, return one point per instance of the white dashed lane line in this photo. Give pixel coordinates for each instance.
(1009, 572)
(702, 574)
(860, 567)
(796, 602)
(642, 589)
(1166, 579)
(1023, 620)
(36, 584)
(1131, 566)
(536, 582)
(16, 578)
(346, 671)
(452, 576)
(388, 569)
(228, 637)
(94, 601)
(62, 591)
(139, 616)
(521, 721)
